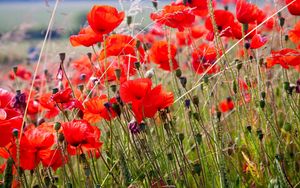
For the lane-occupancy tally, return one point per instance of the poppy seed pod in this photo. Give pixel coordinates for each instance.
(181, 137)
(62, 57)
(262, 104)
(15, 133)
(183, 81)
(247, 45)
(155, 4)
(178, 73)
(263, 94)
(170, 156)
(15, 69)
(54, 90)
(249, 128)
(137, 65)
(195, 100)
(118, 73)
(281, 21)
(81, 87)
(129, 20)
(113, 88)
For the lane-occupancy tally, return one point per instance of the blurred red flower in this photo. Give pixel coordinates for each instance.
(294, 8)
(246, 12)
(175, 16)
(86, 37)
(286, 57)
(79, 133)
(159, 54)
(226, 105)
(145, 101)
(104, 19)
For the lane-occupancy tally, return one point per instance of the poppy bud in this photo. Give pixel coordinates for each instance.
(279, 14)
(137, 65)
(195, 100)
(198, 138)
(262, 104)
(183, 81)
(129, 20)
(15, 133)
(57, 126)
(239, 66)
(15, 69)
(82, 77)
(181, 137)
(89, 54)
(286, 37)
(249, 128)
(234, 87)
(62, 56)
(118, 73)
(142, 126)
(226, 7)
(61, 137)
(178, 73)
(260, 134)
(81, 87)
(196, 116)
(138, 43)
(206, 79)
(187, 103)
(113, 88)
(287, 127)
(149, 73)
(247, 45)
(219, 115)
(54, 90)
(281, 21)
(263, 94)
(170, 156)
(286, 86)
(155, 4)
(197, 168)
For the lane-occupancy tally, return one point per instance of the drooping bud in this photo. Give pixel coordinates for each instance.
(62, 57)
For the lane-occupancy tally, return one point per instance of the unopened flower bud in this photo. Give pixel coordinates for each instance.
(178, 73)
(129, 20)
(118, 73)
(62, 56)
(57, 126)
(15, 133)
(137, 65)
(183, 81)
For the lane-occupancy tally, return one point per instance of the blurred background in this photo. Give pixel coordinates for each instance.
(23, 24)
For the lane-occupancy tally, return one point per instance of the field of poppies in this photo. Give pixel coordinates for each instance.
(206, 95)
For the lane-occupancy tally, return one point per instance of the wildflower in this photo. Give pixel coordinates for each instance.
(257, 41)
(104, 19)
(175, 16)
(293, 8)
(145, 101)
(294, 34)
(99, 107)
(226, 105)
(79, 133)
(86, 37)
(286, 57)
(159, 54)
(246, 12)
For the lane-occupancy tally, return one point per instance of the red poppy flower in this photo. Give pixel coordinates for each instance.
(104, 19)
(122, 45)
(145, 101)
(49, 105)
(294, 8)
(258, 41)
(224, 19)
(246, 12)
(203, 58)
(159, 54)
(183, 39)
(99, 107)
(22, 73)
(133, 90)
(286, 57)
(81, 133)
(199, 7)
(198, 31)
(154, 100)
(226, 105)
(86, 37)
(6, 128)
(294, 34)
(236, 29)
(63, 96)
(175, 16)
